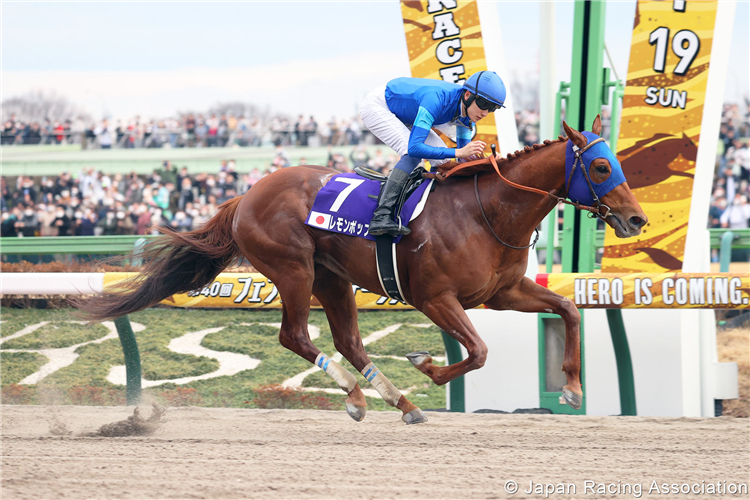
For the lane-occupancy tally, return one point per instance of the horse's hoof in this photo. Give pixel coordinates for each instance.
(414, 417)
(419, 357)
(574, 400)
(356, 412)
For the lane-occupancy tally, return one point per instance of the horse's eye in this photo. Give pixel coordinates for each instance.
(601, 169)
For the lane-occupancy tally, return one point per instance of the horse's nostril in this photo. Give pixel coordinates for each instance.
(636, 221)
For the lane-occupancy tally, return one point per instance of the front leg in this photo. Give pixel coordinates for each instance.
(448, 314)
(527, 296)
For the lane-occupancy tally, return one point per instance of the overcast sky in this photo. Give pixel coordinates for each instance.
(154, 59)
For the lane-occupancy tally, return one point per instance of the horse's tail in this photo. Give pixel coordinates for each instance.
(173, 263)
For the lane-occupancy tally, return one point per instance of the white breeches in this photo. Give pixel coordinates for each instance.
(388, 128)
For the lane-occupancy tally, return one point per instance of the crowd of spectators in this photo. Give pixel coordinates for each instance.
(730, 200)
(189, 130)
(94, 202)
(211, 130)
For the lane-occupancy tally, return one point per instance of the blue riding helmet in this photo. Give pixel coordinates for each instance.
(578, 190)
(488, 85)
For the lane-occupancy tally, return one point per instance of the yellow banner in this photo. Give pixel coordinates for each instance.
(588, 291)
(652, 291)
(659, 131)
(444, 39)
(252, 290)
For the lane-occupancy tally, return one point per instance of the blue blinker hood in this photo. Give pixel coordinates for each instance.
(578, 190)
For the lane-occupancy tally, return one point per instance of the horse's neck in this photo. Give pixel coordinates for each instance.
(543, 169)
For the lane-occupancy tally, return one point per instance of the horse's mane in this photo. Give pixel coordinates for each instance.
(484, 165)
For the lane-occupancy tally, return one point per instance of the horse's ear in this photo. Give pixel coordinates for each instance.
(575, 136)
(597, 126)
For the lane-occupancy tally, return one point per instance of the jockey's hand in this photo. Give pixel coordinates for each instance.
(474, 148)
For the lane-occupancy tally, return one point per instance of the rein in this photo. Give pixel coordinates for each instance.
(481, 208)
(593, 211)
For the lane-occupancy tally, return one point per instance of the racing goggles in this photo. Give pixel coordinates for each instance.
(486, 105)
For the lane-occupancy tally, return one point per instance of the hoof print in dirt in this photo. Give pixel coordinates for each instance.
(134, 425)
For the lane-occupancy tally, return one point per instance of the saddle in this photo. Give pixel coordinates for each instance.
(416, 178)
(385, 245)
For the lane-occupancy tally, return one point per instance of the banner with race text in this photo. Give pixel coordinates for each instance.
(444, 39)
(587, 291)
(662, 112)
(651, 290)
(248, 290)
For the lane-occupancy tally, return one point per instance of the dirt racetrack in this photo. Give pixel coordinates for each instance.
(218, 453)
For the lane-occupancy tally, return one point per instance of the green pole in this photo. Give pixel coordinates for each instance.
(583, 104)
(614, 126)
(563, 94)
(725, 254)
(595, 87)
(138, 251)
(132, 360)
(458, 395)
(624, 363)
(551, 230)
(587, 95)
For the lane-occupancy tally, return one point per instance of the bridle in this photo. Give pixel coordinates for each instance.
(600, 210)
(578, 152)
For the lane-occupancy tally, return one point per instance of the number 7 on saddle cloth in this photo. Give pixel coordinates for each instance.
(346, 203)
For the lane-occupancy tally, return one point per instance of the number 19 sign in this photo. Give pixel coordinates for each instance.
(663, 108)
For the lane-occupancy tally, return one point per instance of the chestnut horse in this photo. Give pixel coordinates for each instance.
(450, 262)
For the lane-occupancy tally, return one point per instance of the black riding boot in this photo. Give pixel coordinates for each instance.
(382, 222)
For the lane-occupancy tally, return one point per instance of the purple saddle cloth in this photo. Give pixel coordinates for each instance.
(345, 206)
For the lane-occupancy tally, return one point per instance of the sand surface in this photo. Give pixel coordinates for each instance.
(234, 453)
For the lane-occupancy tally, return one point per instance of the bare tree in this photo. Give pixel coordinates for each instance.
(238, 108)
(38, 106)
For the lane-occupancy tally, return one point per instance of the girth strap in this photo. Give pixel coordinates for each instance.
(385, 259)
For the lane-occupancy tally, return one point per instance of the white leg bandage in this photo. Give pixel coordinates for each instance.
(387, 390)
(346, 380)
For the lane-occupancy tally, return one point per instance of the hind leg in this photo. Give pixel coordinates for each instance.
(278, 244)
(336, 296)
(295, 289)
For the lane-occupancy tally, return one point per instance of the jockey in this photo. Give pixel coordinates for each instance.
(402, 114)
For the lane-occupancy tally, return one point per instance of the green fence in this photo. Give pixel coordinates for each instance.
(51, 160)
(108, 245)
(740, 239)
(71, 245)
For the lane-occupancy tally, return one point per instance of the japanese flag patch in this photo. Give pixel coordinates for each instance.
(317, 219)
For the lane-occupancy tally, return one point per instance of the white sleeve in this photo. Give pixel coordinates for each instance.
(447, 129)
(725, 216)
